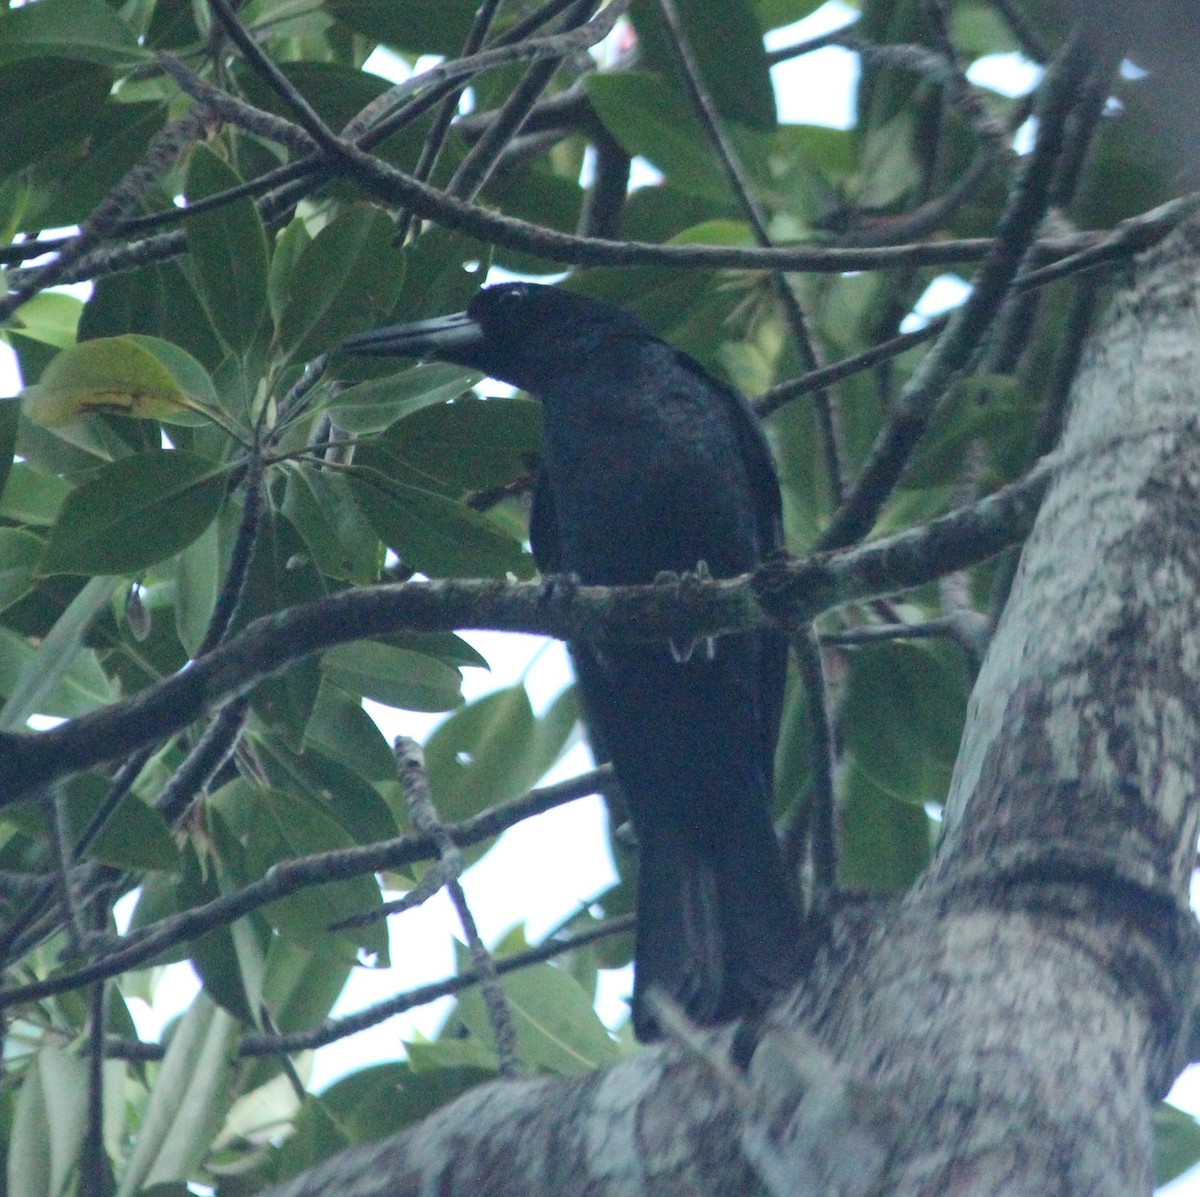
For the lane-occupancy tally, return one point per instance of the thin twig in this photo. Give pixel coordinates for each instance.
(930, 629)
(772, 400)
(64, 860)
(477, 167)
(13, 938)
(435, 139)
(201, 764)
(739, 182)
(162, 151)
(275, 79)
(820, 820)
(1011, 338)
(414, 783)
(288, 877)
(93, 1163)
(376, 115)
(792, 593)
(334, 1029)
(810, 45)
(240, 557)
(943, 364)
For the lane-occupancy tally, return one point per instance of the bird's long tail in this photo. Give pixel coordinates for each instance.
(718, 924)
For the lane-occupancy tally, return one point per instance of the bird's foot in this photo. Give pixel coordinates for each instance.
(683, 651)
(557, 588)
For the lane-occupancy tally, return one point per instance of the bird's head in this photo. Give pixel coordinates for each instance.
(520, 333)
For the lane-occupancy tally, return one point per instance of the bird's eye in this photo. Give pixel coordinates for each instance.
(507, 302)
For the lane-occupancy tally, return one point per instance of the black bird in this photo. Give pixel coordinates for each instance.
(649, 464)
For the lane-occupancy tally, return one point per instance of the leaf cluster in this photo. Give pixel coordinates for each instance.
(191, 452)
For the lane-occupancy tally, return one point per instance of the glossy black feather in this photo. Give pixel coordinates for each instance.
(651, 464)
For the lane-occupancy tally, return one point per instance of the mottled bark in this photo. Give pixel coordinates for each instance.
(1008, 1026)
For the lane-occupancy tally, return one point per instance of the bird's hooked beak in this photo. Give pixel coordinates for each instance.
(444, 336)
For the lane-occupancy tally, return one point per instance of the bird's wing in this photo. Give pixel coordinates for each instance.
(543, 527)
(756, 453)
(764, 484)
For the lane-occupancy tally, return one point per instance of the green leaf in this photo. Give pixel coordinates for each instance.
(287, 19)
(445, 270)
(337, 91)
(197, 580)
(228, 247)
(885, 844)
(903, 713)
(445, 1053)
(73, 181)
(772, 14)
(341, 790)
(393, 676)
(135, 836)
(1176, 1142)
(173, 26)
(372, 406)
(289, 246)
(420, 26)
(347, 280)
(301, 984)
(49, 1124)
(82, 30)
(19, 552)
(33, 498)
(435, 534)
(650, 119)
(189, 375)
(231, 960)
(51, 317)
(315, 1137)
(282, 575)
(136, 376)
(59, 677)
(320, 506)
(890, 171)
(135, 512)
(159, 300)
(978, 29)
(495, 749)
(727, 45)
(387, 1097)
(557, 1028)
(344, 732)
(187, 1104)
(160, 896)
(991, 408)
(471, 444)
(279, 827)
(41, 98)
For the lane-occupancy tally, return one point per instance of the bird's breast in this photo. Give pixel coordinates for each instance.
(634, 496)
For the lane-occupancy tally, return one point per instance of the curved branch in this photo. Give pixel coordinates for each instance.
(968, 325)
(790, 592)
(291, 876)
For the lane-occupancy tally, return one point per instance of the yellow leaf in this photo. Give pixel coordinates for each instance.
(118, 374)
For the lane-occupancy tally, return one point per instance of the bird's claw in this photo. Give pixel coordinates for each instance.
(558, 587)
(683, 651)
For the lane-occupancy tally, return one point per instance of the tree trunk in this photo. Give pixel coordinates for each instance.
(1007, 1027)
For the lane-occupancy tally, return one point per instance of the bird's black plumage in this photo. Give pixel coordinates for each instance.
(650, 464)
